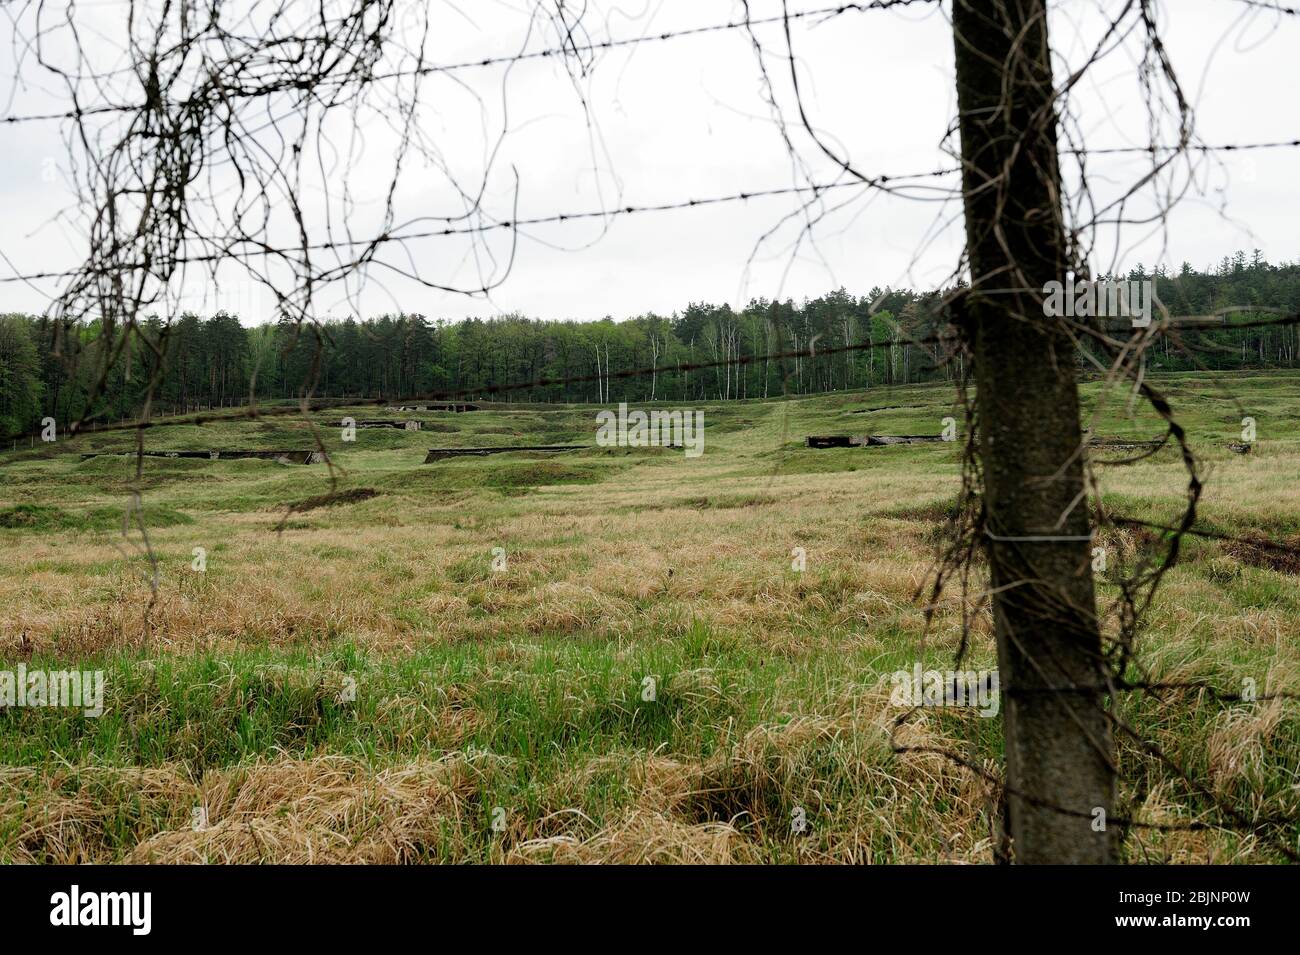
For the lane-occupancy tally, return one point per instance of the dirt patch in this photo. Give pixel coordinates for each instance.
(1259, 551)
(937, 512)
(884, 408)
(353, 496)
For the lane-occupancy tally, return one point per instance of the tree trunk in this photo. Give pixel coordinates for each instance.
(1059, 748)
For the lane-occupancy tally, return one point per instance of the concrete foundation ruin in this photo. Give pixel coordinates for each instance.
(284, 457)
(457, 406)
(868, 440)
(437, 454)
(399, 423)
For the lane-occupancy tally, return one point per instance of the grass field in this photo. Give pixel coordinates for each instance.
(646, 679)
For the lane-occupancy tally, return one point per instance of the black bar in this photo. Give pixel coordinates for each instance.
(211, 904)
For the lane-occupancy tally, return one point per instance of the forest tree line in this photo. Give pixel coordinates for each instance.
(53, 368)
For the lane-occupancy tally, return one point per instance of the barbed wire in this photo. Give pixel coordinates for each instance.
(1270, 5)
(881, 182)
(261, 249)
(550, 53)
(1190, 147)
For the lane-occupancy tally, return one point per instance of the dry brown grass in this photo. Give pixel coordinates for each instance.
(726, 566)
(728, 807)
(663, 554)
(323, 810)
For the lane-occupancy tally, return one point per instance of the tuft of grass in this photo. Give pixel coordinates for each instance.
(47, 518)
(39, 517)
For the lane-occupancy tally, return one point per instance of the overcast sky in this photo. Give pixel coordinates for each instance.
(688, 119)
